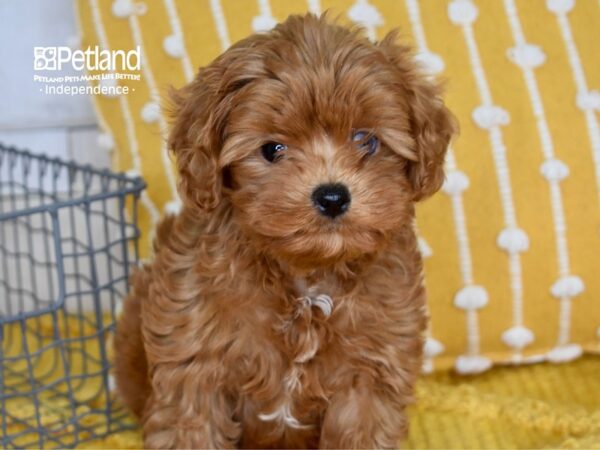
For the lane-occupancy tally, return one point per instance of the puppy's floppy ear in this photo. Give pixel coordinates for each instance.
(431, 124)
(194, 140)
(200, 111)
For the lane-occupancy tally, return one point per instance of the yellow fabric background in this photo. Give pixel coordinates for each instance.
(473, 152)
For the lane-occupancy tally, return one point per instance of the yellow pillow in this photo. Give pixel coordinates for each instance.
(512, 243)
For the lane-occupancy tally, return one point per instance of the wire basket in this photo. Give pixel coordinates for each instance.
(68, 239)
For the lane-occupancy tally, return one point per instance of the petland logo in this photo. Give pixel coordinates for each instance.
(105, 72)
(55, 58)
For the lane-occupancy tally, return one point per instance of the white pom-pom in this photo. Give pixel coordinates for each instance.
(109, 85)
(564, 353)
(424, 248)
(263, 23)
(554, 170)
(462, 12)
(364, 13)
(513, 240)
(173, 46)
(560, 6)
(173, 207)
(150, 112)
(122, 8)
(472, 364)
(567, 286)
(471, 298)
(432, 63)
(455, 182)
(487, 116)
(433, 347)
(105, 141)
(427, 366)
(518, 337)
(527, 55)
(589, 100)
(132, 173)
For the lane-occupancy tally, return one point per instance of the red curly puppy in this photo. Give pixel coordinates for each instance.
(285, 305)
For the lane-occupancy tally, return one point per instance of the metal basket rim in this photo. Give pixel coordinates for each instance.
(132, 185)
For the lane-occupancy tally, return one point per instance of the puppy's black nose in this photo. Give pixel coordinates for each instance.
(331, 199)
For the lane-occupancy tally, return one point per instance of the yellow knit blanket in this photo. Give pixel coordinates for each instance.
(538, 406)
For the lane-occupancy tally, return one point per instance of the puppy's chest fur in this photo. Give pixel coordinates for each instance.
(304, 333)
(315, 345)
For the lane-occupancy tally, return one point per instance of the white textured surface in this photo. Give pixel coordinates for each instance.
(150, 112)
(173, 46)
(27, 24)
(472, 364)
(265, 20)
(462, 12)
(513, 240)
(518, 337)
(554, 170)
(105, 141)
(560, 6)
(488, 116)
(433, 347)
(564, 353)
(567, 286)
(432, 63)
(526, 55)
(455, 183)
(471, 298)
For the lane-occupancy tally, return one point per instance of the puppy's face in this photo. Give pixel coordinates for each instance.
(316, 179)
(320, 139)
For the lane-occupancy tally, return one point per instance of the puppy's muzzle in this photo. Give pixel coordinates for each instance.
(331, 200)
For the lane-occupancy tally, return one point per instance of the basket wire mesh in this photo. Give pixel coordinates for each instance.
(68, 240)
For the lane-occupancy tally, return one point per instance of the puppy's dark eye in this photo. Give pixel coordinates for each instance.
(365, 141)
(271, 151)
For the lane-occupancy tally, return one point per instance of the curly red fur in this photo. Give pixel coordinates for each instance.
(221, 343)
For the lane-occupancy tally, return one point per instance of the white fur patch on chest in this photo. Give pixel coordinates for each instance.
(313, 298)
(291, 383)
(308, 297)
(284, 414)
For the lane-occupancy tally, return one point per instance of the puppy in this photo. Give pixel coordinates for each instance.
(285, 305)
